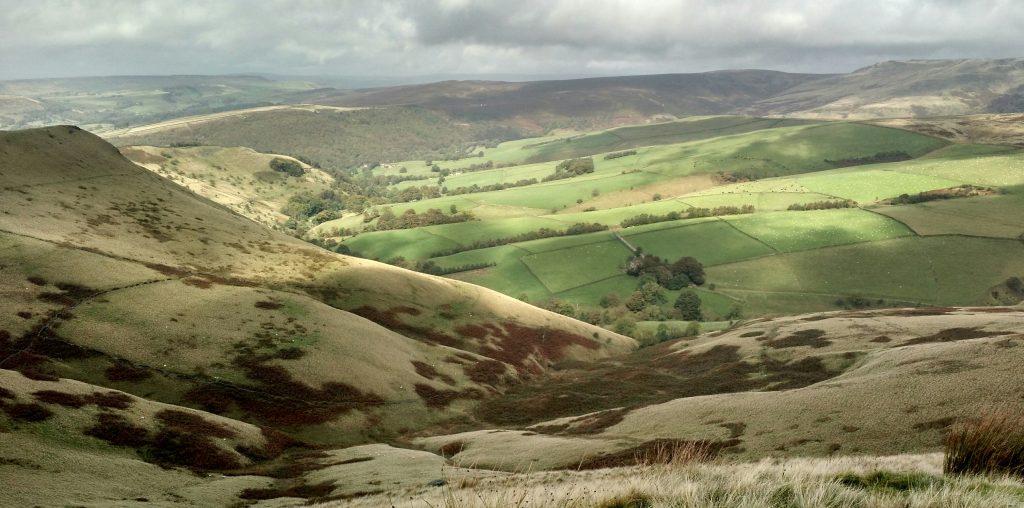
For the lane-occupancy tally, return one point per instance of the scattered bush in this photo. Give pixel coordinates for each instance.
(893, 156)
(410, 219)
(616, 155)
(692, 213)
(578, 228)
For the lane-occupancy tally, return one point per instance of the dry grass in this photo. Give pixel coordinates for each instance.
(991, 444)
(863, 482)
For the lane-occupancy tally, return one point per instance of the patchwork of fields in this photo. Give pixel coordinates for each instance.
(785, 215)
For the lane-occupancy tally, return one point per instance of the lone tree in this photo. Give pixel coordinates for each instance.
(688, 305)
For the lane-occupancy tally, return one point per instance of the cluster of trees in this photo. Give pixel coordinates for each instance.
(394, 179)
(571, 168)
(823, 205)
(316, 208)
(432, 268)
(962, 191)
(616, 155)
(487, 188)
(578, 228)
(410, 219)
(893, 156)
(649, 297)
(289, 167)
(692, 213)
(676, 275)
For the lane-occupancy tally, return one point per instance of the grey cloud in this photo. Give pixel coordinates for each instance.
(408, 37)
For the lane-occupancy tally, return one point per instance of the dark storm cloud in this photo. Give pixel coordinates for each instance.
(396, 37)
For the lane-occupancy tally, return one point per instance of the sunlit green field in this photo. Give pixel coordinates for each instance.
(772, 261)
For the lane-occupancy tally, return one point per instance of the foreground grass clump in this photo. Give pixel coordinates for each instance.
(991, 444)
(843, 482)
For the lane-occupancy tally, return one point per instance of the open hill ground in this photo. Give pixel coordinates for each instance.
(859, 300)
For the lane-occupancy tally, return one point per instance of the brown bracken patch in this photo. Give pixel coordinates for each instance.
(26, 412)
(650, 375)
(452, 449)
(440, 399)
(192, 423)
(955, 334)
(269, 305)
(812, 338)
(391, 320)
(660, 451)
(125, 371)
(118, 431)
(491, 372)
(291, 489)
(428, 371)
(60, 398)
(199, 282)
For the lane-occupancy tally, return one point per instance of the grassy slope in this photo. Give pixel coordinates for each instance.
(870, 382)
(238, 178)
(913, 481)
(53, 462)
(337, 139)
(240, 306)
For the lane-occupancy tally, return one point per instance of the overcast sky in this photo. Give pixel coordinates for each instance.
(51, 38)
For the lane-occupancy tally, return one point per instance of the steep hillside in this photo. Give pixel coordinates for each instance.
(915, 88)
(331, 137)
(865, 382)
(240, 178)
(991, 129)
(117, 277)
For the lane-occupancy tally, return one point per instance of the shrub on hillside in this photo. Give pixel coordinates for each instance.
(291, 168)
(822, 205)
(991, 444)
(571, 167)
(616, 155)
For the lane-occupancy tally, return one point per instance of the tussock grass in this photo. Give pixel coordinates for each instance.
(862, 482)
(991, 444)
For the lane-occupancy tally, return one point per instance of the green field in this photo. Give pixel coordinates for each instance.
(772, 261)
(996, 216)
(406, 243)
(947, 270)
(793, 231)
(711, 242)
(572, 267)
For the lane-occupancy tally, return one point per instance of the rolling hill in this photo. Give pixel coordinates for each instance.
(104, 103)
(596, 101)
(121, 280)
(914, 88)
(151, 332)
